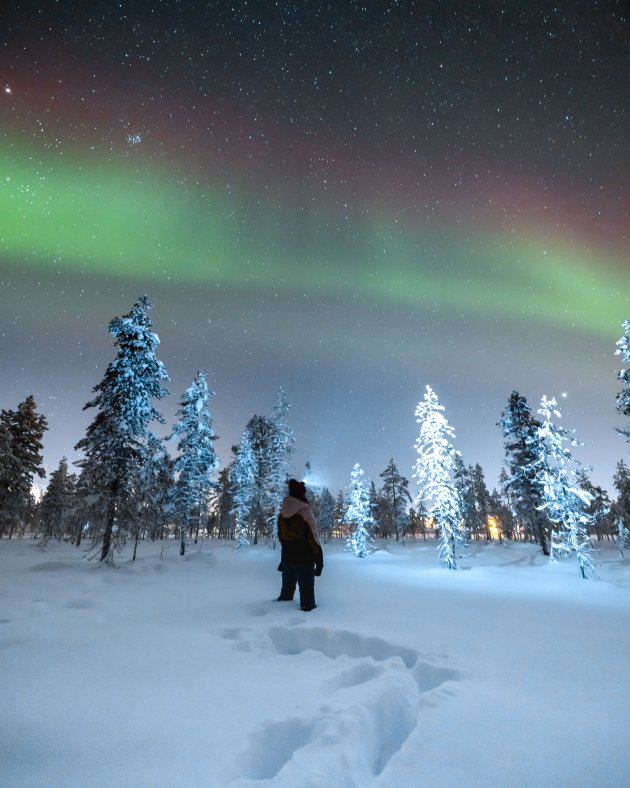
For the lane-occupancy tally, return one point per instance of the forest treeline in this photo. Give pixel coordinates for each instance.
(128, 487)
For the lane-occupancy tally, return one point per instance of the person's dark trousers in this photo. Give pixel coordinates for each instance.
(303, 576)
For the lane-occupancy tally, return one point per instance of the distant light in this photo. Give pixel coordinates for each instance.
(564, 395)
(7, 89)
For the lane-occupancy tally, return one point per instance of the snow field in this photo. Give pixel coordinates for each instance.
(185, 672)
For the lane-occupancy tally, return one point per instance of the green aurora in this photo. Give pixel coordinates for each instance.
(130, 221)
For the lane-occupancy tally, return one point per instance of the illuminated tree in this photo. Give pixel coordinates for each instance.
(358, 514)
(623, 397)
(197, 461)
(281, 445)
(433, 471)
(242, 479)
(118, 445)
(564, 500)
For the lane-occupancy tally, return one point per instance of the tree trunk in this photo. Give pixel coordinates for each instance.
(109, 522)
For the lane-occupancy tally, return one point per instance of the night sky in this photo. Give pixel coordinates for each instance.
(351, 200)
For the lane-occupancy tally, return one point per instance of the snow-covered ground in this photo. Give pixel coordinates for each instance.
(185, 672)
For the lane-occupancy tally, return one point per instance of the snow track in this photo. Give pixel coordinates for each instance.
(373, 703)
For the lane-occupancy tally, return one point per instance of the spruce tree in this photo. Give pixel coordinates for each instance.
(326, 514)
(564, 500)
(197, 461)
(118, 446)
(433, 470)
(482, 498)
(281, 447)
(21, 433)
(56, 508)
(243, 488)
(358, 514)
(395, 497)
(621, 481)
(520, 431)
(462, 480)
(623, 397)
(261, 434)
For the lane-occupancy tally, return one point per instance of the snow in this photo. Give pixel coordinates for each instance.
(172, 671)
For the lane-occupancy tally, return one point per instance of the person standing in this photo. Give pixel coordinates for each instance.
(301, 558)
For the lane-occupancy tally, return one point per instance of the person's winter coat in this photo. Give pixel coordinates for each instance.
(297, 531)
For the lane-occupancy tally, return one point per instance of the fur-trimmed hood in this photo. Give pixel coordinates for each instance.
(292, 506)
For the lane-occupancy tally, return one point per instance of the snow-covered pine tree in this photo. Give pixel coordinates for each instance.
(519, 430)
(395, 497)
(242, 478)
(282, 444)
(623, 397)
(599, 511)
(433, 471)
(118, 444)
(260, 430)
(56, 508)
(197, 461)
(621, 481)
(564, 501)
(358, 514)
(21, 433)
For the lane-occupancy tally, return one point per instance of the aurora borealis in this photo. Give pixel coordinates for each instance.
(350, 200)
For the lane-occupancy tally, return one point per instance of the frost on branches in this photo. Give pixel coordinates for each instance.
(623, 397)
(281, 448)
(433, 470)
(358, 514)
(194, 467)
(564, 501)
(118, 446)
(242, 479)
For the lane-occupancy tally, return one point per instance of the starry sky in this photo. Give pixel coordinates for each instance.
(350, 200)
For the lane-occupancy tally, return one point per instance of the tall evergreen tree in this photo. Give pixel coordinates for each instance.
(197, 460)
(243, 489)
(482, 498)
(340, 512)
(395, 497)
(520, 431)
(358, 514)
(224, 504)
(118, 445)
(56, 508)
(261, 434)
(621, 481)
(623, 397)
(281, 449)
(433, 471)
(21, 433)
(326, 514)
(463, 482)
(599, 511)
(563, 499)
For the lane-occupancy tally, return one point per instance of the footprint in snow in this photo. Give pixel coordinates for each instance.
(374, 705)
